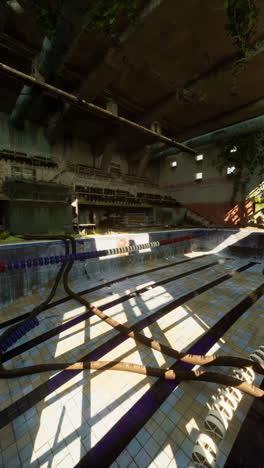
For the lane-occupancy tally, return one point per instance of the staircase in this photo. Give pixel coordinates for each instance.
(195, 219)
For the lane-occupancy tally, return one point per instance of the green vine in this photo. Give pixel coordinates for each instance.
(45, 16)
(240, 64)
(193, 96)
(104, 16)
(107, 12)
(248, 159)
(243, 17)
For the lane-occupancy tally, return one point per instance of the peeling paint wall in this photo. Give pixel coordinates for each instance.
(170, 215)
(39, 217)
(28, 157)
(65, 149)
(31, 140)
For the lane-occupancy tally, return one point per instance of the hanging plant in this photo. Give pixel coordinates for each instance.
(243, 17)
(45, 17)
(106, 14)
(249, 154)
(246, 154)
(193, 96)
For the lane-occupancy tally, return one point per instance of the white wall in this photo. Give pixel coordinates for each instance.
(215, 187)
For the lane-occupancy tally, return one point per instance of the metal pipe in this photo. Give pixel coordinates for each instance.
(225, 133)
(70, 22)
(89, 107)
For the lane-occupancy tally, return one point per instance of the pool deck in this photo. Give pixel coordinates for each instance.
(122, 419)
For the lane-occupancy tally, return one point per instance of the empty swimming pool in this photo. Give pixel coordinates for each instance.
(199, 295)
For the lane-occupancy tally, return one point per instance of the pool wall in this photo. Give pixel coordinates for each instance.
(17, 283)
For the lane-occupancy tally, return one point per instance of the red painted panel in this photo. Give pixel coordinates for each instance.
(224, 212)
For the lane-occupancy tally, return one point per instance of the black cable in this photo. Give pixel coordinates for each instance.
(38, 309)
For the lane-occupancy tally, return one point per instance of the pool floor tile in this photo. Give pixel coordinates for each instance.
(63, 419)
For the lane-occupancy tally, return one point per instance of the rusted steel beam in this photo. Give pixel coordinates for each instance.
(89, 107)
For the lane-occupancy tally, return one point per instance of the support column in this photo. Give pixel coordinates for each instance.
(147, 155)
(107, 154)
(75, 215)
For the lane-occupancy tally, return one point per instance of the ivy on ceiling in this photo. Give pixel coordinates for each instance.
(104, 16)
(242, 25)
(243, 18)
(248, 159)
(45, 16)
(243, 21)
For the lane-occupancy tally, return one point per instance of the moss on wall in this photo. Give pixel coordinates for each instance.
(170, 215)
(34, 217)
(258, 207)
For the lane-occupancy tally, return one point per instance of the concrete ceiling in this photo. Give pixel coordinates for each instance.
(178, 45)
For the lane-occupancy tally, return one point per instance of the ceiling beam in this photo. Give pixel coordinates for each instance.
(105, 72)
(159, 109)
(89, 107)
(29, 53)
(219, 136)
(253, 109)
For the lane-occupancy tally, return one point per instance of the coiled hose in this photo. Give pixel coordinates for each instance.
(225, 403)
(129, 367)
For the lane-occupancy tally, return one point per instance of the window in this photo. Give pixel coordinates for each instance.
(230, 170)
(199, 157)
(198, 175)
(173, 164)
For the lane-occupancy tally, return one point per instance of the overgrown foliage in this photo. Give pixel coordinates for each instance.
(190, 96)
(105, 16)
(243, 17)
(248, 159)
(7, 238)
(45, 16)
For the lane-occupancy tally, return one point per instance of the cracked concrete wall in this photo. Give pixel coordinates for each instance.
(73, 150)
(170, 215)
(34, 142)
(30, 140)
